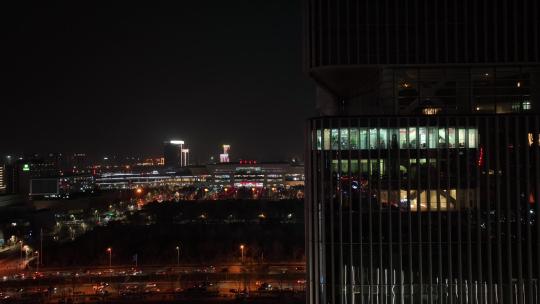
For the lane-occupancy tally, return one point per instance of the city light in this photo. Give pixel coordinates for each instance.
(109, 250)
(242, 247)
(177, 255)
(176, 142)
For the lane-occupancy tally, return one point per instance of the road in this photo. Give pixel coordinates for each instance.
(156, 282)
(10, 260)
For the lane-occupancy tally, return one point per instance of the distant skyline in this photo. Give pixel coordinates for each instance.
(122, 80)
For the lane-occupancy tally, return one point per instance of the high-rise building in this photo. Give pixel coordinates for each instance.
(423, 172)
(3, 186)
(173, 154)
(17, 176)
(224, 157)
(79, 161)
(185, 157)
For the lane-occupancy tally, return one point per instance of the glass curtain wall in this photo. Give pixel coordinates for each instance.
(424, 209)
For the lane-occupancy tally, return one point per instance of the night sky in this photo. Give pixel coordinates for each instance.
(121, 79)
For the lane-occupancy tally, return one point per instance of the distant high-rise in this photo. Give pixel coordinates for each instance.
(185, 157)
(224, 157)
(3, 177)
(423, 173)
(173, 154)
(79, 161)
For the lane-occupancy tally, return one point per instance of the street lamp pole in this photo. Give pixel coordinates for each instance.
(37, 262)
(177, 255)
(40, 260)
(21, 260)
(109, 250)
(242, 252)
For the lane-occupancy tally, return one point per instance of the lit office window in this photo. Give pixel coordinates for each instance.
(442, 138)
(373, 138)
(344, 139)
(432, 137)
(403, 138)
(319, 140)
(451, 137)
(335, 139)
(364, 139)
(354, 139)
(461, 137)
(412, 138)
(473, 138)
(326, 139)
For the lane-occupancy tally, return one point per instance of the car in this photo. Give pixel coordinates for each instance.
(100, 288)
(151, 288)
(265, 287)
(161, 272)
(37, 275)
(243, 294)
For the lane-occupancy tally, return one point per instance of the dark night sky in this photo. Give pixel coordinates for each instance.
(121, 79)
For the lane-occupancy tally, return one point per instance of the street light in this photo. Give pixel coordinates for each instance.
(21, 260)
(37, 262)
(109, 250)
(178, 255)
(26, 249)
(242, 252)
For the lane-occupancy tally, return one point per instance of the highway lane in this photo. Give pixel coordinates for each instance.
(155, 272)
(10, 260)
(123, 269)
(163, 287)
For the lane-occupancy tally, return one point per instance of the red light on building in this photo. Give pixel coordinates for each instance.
(480, 161)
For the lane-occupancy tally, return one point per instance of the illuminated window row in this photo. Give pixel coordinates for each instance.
(404, 138)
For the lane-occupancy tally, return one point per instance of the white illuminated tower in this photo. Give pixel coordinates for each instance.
(224, 157)
(184, 160)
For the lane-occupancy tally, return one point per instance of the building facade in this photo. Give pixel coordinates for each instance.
(248, 174)
(423, 172)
